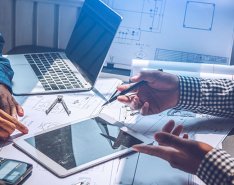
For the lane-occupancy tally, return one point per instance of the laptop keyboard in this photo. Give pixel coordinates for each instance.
(53, 72)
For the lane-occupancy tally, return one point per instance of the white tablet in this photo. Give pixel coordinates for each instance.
(76, 146)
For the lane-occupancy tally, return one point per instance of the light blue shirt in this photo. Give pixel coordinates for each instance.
(6, 72)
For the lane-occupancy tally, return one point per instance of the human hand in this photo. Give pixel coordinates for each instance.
(181, 153)
(160, 93)
(8, 124)
(8, 103)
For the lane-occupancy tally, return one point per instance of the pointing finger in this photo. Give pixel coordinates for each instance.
(19, 126)
(159, 151)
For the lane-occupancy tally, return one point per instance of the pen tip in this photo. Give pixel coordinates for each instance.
(104, 104)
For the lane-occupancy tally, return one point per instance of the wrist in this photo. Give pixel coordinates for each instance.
(189, 93)
(5, 87)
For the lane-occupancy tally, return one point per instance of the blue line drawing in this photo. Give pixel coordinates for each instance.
(144, 16)
(188, 57)
(199, 15)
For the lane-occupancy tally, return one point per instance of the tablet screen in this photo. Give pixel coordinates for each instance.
(82, 142)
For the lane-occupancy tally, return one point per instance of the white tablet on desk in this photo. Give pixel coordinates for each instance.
(79, 145)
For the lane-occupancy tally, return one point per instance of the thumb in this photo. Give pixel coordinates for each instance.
(167, 139)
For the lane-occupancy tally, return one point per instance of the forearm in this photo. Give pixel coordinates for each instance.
(6, 72)
(215, 97)
(217, 168)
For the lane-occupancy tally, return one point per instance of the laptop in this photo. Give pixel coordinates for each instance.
(77, 68)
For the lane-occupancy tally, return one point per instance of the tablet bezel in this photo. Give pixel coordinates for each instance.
(60, 171)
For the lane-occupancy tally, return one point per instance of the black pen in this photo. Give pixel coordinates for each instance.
(131, 88)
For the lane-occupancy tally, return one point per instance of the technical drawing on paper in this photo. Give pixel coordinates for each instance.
(144, 16)
(179, 30)
(202, 20)
(43, 104)
(148, 125)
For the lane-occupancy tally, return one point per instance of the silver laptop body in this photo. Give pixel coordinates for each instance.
(77, 68)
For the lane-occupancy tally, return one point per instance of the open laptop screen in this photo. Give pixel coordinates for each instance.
(92, 37)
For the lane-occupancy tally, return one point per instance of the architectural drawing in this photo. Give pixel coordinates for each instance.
(181, 30)
(202, 20)
(144, 16)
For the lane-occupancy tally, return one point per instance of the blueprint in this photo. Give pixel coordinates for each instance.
(140, 169)
(173, 30)
(81, 105)
(127, 170)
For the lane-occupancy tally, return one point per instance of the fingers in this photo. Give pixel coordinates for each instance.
(123, 87)
(19, 109)
(7, 125)
(19, 126)
(135, 103)
(169, 126)
(13, 111)
(132, 101)
(145, 109)
(4, 105)
(168, 139)
(10, 106)
(124, 99)
(158, 151)
(178, 129)
(4, 134)
(185, 136)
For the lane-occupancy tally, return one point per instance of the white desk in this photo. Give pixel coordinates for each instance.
(135, 169)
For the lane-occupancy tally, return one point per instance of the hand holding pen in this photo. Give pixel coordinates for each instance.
(158, 91)
(125, 91)
(128, 88)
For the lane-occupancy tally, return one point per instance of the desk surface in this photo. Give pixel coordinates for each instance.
(129, 170)
(228, 143)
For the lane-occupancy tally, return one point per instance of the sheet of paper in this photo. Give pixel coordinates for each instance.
(129, 170)
(173, 31)
(187, 69)
(81, 105)
(157, 171)
(126, 170)
(209, 129)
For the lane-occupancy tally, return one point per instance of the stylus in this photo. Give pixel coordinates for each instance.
(131, 88)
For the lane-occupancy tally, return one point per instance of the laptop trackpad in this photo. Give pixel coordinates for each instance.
(24, 80)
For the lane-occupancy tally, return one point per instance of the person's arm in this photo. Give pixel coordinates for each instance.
(215, 97)
(7, 101)
(217, 168)
(164, 91)
(212, 166)
(207, 96)
(6, 72)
